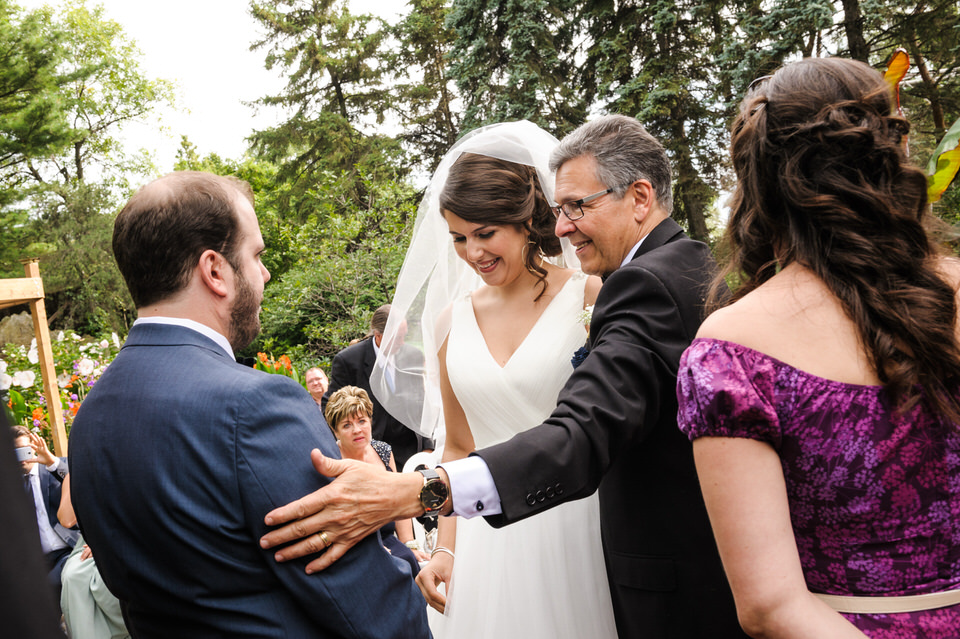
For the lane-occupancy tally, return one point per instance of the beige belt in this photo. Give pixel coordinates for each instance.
(890, 605)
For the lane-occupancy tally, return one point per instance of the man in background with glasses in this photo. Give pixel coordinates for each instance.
(614, 427)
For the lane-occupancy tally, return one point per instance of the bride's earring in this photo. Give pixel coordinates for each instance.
(526, 249)
(530, 268)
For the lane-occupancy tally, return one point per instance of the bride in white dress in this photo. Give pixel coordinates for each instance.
(504, 342)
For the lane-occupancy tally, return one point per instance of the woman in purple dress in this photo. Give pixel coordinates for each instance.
(823, 398)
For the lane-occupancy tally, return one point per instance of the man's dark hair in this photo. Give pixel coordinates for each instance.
(378, 323)
(160, 234)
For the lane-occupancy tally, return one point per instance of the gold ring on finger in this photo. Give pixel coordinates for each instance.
(323, 537)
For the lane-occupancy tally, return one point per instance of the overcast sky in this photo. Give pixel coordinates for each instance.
(203, 47)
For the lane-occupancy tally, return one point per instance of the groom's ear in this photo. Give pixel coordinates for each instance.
(642, 199)
(215, 272)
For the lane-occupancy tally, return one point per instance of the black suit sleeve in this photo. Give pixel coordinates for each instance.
(613, 400)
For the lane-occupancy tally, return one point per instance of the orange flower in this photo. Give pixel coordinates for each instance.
(286, 362)
(37, 414)
(262, 357)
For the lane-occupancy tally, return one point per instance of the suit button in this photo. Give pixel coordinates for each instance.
(550, 492)
(531, 500)
(479, 506)
(540, 496)
(559, 489)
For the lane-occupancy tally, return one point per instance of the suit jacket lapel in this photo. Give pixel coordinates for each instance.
(665, 231)
(369, 358)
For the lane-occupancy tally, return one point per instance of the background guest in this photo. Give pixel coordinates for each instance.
(353, 366)
(317, 384)
(90, 611)
(43, 476)
(824, 400)
(349, 414)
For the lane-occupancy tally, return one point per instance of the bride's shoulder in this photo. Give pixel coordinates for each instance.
(591, 289)
(591, 284)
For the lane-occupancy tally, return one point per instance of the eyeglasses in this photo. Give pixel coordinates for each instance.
(574, 209)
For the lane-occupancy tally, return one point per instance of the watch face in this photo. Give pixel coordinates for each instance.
(434, 492)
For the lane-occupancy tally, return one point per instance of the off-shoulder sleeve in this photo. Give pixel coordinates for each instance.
(727, 390)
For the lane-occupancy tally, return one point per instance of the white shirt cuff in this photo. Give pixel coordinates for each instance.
(54, 466)
(472, 487)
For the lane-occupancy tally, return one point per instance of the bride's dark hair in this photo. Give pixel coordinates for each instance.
(487, 190)
(823, 180)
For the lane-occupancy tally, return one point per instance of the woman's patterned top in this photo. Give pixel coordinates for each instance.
(874, 493)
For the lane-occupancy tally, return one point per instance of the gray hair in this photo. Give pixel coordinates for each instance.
(625, 152)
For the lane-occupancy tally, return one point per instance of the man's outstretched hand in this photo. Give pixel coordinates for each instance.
(361, 499)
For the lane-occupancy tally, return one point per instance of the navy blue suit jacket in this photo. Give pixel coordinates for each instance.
(177, 454)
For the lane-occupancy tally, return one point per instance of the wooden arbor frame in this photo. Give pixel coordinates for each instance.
(29, 290)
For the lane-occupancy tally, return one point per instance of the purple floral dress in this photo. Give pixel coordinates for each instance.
(874, 496)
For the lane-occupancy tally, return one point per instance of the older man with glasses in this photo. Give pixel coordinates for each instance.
(614, 428)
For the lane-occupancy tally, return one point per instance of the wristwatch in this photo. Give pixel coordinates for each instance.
(434, 493)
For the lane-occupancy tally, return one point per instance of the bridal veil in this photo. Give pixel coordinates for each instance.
(432, 277)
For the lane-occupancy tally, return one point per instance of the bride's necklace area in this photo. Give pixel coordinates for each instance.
(509, 316)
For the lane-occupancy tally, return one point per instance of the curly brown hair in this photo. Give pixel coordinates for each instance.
(487, 190)
(823, 180)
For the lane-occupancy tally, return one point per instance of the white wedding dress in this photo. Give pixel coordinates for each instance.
(542, 577)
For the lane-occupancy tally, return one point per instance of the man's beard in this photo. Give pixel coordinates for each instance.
(244, 316)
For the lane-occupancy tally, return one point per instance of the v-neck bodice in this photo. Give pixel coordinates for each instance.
(502, 401)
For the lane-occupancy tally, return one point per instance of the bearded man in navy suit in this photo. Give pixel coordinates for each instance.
(178, 452)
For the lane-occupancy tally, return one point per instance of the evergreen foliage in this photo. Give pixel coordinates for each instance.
(370, 108)
(32, 116)
(332, 60)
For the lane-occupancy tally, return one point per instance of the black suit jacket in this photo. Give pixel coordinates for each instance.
(352, 367)
(615, 427)
(27, 606)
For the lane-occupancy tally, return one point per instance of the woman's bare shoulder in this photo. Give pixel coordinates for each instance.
(797, 320)
(949, 268)
(726, 323)
(591, 290)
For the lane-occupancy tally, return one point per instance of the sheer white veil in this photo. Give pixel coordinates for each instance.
(432, 277)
